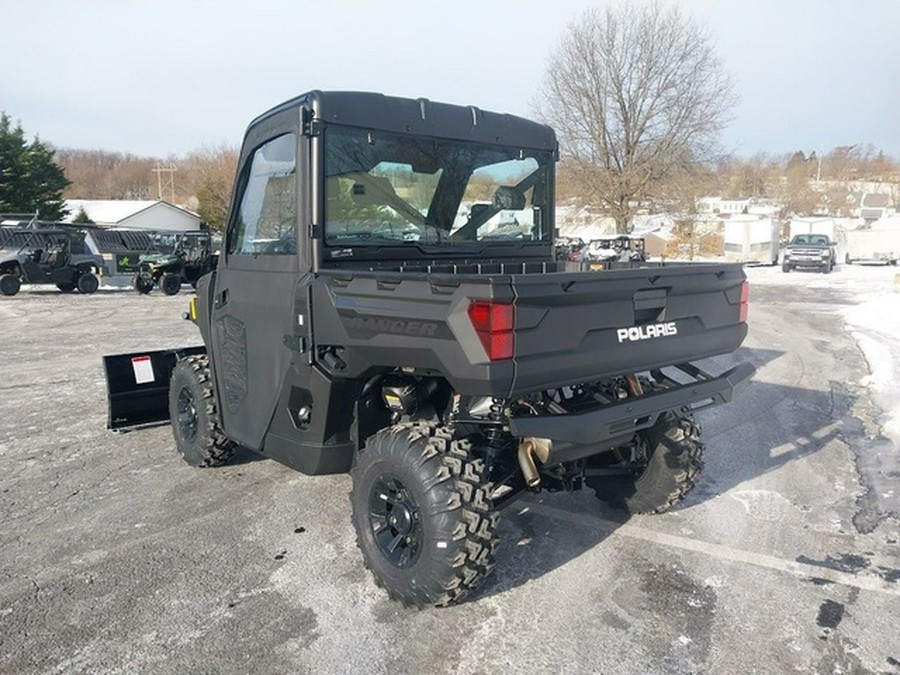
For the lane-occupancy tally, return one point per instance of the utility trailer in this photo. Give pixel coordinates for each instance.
(752, 240)
(354, 323)
(873, 245)
(121, 251)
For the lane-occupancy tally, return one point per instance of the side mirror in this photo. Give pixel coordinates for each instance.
(372, 191)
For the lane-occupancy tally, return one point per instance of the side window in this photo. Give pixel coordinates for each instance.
(267, 217)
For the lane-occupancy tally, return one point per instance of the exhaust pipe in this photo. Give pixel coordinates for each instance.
(529, 449)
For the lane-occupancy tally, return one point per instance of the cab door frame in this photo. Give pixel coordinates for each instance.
(253, 303)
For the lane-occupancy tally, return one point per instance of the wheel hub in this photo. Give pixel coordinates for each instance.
(187, 415)
(395, 521)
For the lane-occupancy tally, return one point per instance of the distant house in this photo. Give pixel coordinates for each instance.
(581, 222)
(134, 214)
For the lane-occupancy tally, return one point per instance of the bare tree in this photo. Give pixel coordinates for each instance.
(211, 172)
(636, 93)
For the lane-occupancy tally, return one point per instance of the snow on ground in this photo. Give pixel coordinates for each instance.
(873, 321)
(875, 325)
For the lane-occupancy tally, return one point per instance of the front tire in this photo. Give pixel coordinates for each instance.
(785, 268)
(673, 462)
(423, 514)
(142, 285)
(9, 284)
(194, 416)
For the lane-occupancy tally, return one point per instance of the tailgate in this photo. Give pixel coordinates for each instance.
(577, 327)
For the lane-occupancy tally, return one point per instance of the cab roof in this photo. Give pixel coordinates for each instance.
(419, 116)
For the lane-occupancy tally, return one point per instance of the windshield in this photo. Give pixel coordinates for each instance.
(811, 239)
(165, 243)
(386, 189)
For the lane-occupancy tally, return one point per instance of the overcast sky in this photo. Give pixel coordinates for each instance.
(165, 77)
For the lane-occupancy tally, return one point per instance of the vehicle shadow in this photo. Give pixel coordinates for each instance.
(772, 426)
(243, 455)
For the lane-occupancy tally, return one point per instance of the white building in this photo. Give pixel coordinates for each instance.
(723, 206)
(135, 215)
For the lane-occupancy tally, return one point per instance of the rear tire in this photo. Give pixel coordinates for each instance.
(194, 416)
(673, 465)
(423, 514)
(170, 283)
(87, 283)
(9, 284)
(66, 287)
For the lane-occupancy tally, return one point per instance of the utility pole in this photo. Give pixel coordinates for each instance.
(169, 181)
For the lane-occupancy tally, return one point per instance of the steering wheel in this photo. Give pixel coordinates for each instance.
(285, 245)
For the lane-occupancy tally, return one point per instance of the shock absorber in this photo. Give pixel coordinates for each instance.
(497, 439)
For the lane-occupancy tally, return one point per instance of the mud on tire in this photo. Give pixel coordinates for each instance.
(194, 416)
(423, 515)
(673, 465)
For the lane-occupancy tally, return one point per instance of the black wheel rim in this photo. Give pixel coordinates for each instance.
(396, 521)
(187, 415)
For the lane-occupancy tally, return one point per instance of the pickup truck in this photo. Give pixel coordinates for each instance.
(807, 251)
(387, 303)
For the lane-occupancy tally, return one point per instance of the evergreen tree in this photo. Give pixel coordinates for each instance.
(30, 180)
(82, 218)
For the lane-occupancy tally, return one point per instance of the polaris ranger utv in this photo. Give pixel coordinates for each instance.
(364, 319)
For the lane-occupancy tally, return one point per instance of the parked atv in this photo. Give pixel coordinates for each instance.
(44, 256)
(179, 258)
(620, 248)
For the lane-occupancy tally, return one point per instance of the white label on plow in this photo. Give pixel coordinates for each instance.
(143, 369)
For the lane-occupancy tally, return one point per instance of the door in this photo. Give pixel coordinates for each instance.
(256, 282)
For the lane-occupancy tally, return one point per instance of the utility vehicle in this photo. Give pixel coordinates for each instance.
(177, 258)
(363, 318)
(47, 256)
(621, 248)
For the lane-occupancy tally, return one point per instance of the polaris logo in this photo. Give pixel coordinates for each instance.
(648, 332)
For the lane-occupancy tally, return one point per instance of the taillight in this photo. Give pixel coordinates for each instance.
(745, 301)
(493, 322)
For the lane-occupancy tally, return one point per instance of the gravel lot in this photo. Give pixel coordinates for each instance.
(118, 557)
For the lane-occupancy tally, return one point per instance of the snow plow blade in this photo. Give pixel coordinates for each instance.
(137, 387)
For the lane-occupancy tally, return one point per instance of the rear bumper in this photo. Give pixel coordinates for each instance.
(621, 420)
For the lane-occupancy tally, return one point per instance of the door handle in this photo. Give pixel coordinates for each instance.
(221, 299)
